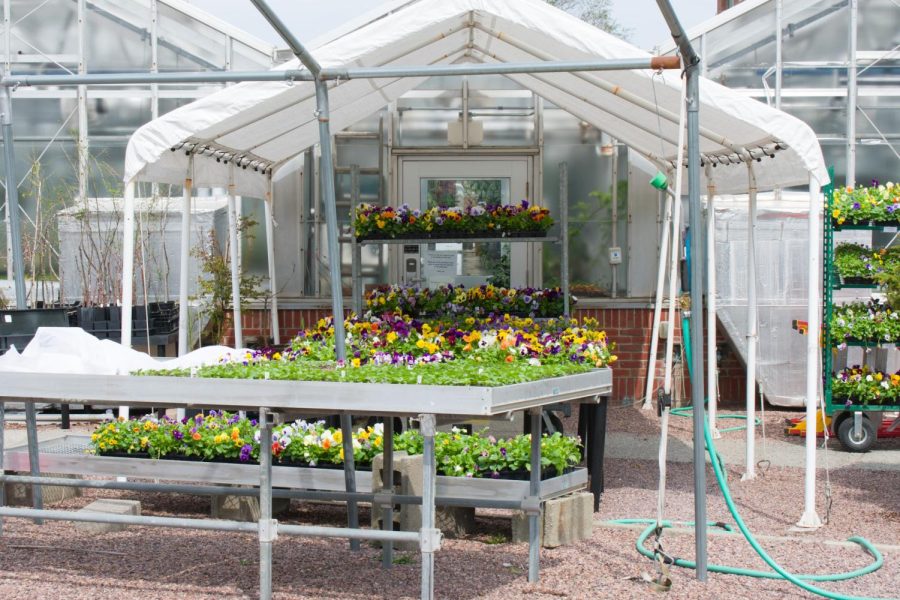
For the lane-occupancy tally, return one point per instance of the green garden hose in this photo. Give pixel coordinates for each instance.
(687, 411)
(780, 572)
(688, 564)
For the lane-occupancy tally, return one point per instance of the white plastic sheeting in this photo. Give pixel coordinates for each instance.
(71, 350)
(273, 121)
(782, 282)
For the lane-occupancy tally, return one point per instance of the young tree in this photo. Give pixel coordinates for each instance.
(596, 12)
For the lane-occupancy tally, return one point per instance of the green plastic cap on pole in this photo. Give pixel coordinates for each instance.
(660, 181)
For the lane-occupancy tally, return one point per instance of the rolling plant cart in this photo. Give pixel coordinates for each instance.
(856, 425)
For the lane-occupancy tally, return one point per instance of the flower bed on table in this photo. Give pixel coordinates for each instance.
(400, 349)
(386, 222)
(224, 437)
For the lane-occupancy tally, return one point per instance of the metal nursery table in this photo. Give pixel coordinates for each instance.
(427, 404)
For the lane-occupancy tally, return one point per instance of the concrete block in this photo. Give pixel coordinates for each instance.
(568, 520)
(19, 494)
(111, 507)
(407, 480)
(565, 520)
(244, 508)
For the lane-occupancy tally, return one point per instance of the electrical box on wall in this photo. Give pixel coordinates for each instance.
(615, 256)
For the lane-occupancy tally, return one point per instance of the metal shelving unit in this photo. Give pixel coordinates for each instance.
(860, 436)
(562, 239)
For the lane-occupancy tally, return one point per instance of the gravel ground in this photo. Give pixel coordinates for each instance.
(56, 561)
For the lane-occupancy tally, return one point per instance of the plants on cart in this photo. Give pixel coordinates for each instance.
(865, 322)
(863, 385)
(480, 220)
(479, 301)
(856, 263)
(221, 436)
(874, 205)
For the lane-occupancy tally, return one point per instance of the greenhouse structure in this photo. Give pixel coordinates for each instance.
(346, 230)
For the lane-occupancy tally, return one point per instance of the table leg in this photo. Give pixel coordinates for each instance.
(266, 525)
(598, 449)
(33, 457)
(349, 475)
(2, 453)
(429, 537)
(387, 487)
(534, 508)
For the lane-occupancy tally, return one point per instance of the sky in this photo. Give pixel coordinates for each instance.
(309, 18)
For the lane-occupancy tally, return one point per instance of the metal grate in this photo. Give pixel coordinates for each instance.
(71, 444)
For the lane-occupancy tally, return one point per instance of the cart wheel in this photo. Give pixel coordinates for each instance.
(850, 441)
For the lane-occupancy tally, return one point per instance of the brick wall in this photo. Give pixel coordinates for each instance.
(629, 328)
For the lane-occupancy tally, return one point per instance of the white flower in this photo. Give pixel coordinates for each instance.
(379, 428)
(869, 378)
(534, 362)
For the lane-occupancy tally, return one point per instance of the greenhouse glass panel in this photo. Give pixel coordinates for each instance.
(44, 28)
(186, 44)
(117, 37)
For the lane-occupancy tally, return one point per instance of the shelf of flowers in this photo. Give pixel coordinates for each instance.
(874, 207)
(870, 324)
(864, 388)
(485, 301)
(858, 266)
(373, 222)
(221, 447)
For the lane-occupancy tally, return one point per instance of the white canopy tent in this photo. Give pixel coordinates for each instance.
(268, 123)
(246, 132)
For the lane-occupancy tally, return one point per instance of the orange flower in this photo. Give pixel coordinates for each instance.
(196, 436)
(510, 358)
(326, 444)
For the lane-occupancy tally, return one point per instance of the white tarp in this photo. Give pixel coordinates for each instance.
(72, 350)
(274, 121)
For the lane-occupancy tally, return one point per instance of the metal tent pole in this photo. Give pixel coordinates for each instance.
(334, 257)
(233, 242)
(810, 519)
(17, 267)
(852, 94)
(564, 237)
(697, 387)
(692, 72)
(127, 275)
(387, 487)
(430, 537)
(712, 366)
(270, 252)
(752, 332)
(267, 526)
(183, 280)
(534, 499)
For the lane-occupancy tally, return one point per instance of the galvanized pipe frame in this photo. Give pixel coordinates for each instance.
(384, 498)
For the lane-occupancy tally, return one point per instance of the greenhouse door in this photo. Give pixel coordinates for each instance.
(464, 183)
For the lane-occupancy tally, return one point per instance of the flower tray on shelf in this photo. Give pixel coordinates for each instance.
(863, 225)
(67, 456)
(454, 235)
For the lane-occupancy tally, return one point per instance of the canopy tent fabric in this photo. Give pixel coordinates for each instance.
(269, 123)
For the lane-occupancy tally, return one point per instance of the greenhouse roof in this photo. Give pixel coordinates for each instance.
(266, 124)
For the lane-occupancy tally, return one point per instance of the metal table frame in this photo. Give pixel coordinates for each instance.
(427, 404)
